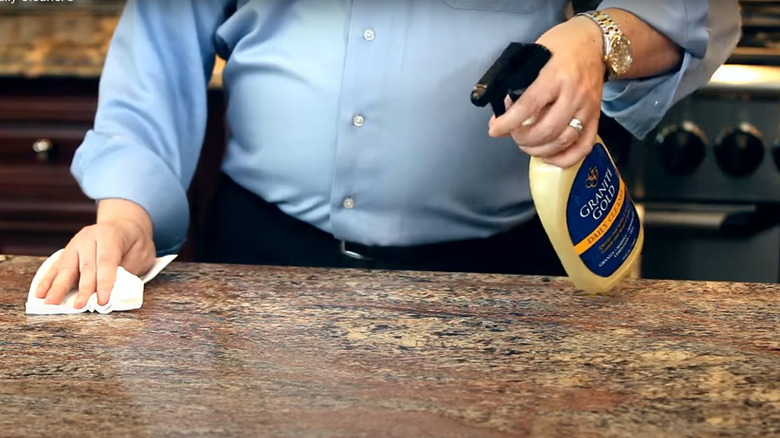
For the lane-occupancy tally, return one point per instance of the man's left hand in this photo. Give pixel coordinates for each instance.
(543, 121)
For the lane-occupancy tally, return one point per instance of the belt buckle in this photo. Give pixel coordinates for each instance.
(352, 254)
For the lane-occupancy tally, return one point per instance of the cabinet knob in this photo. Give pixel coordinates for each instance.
(44, 149)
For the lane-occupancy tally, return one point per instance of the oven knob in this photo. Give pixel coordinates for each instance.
(681, 148)
(740, 150)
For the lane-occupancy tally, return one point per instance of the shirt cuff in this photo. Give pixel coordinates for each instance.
(640, 104)
(112, 167)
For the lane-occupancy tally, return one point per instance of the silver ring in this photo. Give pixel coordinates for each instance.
(529, 121)
(577, 124)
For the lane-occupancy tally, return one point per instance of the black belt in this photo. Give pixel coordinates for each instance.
(364, 252)
(422, 252)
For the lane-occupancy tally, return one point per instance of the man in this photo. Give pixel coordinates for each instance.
(353, 142)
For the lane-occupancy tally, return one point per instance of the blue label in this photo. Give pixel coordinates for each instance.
(602, 220)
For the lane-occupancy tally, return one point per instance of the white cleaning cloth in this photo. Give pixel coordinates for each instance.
(127, 294)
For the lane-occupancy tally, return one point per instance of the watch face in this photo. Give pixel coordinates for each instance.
(620, 56)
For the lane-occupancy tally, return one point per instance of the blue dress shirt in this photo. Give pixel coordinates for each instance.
(353, 116)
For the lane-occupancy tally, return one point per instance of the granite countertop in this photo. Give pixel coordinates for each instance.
(221, 350)
(70, 43)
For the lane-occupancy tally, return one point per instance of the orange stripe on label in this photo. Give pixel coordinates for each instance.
(586, 243)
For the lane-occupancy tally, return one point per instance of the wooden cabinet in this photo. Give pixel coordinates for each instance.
(42, 122)
(41, 206)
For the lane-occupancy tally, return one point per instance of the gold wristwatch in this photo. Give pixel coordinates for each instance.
(617, 48)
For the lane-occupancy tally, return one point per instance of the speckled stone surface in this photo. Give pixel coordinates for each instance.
(263, 351)
(66, 44)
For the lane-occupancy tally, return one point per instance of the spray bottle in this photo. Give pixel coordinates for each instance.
(585, 209)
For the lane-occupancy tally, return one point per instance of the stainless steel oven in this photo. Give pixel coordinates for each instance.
(708, 178)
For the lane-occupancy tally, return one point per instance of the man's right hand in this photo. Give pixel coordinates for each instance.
(122, 236)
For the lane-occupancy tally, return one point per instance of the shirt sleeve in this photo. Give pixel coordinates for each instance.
(706, 30)
(151, 114)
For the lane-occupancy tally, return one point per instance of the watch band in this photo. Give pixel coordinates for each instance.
(611, 33)
(607, 24)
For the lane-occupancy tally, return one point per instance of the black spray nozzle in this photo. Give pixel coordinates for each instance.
(516, 68)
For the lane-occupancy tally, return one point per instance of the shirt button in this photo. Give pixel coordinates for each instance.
(348, 203)
(369, 34)
(358, 120)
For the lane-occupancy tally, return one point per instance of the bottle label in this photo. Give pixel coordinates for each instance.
(602, 220)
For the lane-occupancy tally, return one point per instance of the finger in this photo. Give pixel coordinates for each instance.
(46, 280)
(87, 274)
(65, 280)
(109, 256)
(552, 124)
(508, 104)
(580, 149)
(519, 134)
(537, 96)
(568, 138)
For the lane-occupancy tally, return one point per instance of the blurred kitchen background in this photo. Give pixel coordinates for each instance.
(707, 180)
